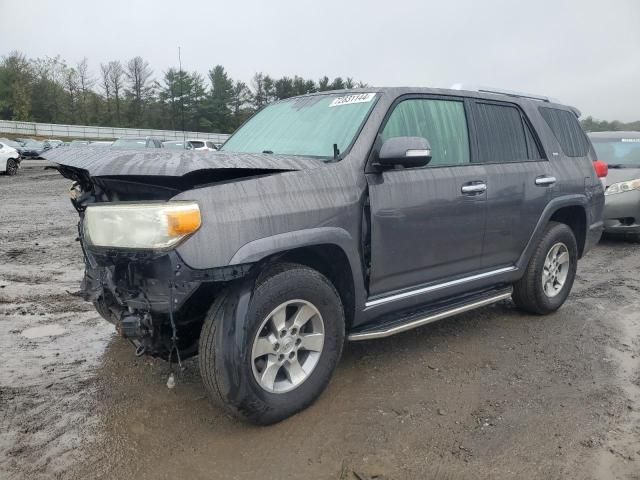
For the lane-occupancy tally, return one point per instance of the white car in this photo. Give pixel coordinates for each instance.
(9, 159)
(199, 144)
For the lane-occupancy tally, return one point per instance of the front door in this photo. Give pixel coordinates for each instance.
(427, 224)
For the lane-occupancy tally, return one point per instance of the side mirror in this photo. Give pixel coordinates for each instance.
(405, 151)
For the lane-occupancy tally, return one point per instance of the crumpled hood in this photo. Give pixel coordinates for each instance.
(98, 162)
(616, 175)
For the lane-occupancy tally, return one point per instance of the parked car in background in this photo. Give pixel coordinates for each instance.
(13, 144)
(177, 145)
(137, 143)
(201, 145)
(9, 159)
(34, 149)
(54, 143)
(621, 151)
(100, 143)
(79, 143)
(338, 215)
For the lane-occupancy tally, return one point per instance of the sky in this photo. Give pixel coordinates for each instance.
(585, 53)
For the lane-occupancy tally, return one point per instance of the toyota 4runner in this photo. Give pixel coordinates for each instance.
(339, 215)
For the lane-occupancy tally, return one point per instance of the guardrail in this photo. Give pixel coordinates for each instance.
(53, 130)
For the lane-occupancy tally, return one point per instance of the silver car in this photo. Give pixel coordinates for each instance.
(621, 150)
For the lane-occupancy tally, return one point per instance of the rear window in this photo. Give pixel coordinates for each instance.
(503, 136)
(196, 143)
(567, 130)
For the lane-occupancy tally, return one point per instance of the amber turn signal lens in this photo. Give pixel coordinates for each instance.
(183, 222)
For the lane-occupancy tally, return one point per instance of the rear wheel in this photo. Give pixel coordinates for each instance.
(12, 167)
(550, 273)
(281, 355)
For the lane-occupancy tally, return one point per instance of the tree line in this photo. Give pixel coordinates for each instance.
(591, 125)
(128, 94)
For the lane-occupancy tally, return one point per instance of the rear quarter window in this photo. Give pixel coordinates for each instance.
(567, 130)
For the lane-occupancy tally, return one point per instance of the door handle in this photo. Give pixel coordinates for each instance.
(545, 180)
(474, 188)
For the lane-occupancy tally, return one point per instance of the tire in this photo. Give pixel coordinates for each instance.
(101, 307)
(528, 292)
(229, 341)
(12, 167)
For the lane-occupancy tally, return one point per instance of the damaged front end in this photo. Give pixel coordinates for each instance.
(154, 300)
(130, 224)
(152, 297)
(150, 294)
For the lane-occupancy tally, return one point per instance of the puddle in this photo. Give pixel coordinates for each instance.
(43, 331)
(618, 460)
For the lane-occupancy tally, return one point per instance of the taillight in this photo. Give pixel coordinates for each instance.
(602, 169)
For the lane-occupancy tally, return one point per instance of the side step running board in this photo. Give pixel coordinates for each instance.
(417, 320)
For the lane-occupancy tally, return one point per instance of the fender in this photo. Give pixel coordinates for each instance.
(552, 207)
(261, 248)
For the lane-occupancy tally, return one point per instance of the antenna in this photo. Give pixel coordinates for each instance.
(184, 135)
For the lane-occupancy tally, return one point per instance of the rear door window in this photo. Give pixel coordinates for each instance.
(567, 130)
(442, 122)
(503, 135)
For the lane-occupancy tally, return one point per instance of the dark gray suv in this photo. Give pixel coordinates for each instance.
(339, 215)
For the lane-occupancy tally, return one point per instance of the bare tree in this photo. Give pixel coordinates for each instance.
(138, 74)
(86, 82)
(72, 87)
(105, 71)
(116, 80)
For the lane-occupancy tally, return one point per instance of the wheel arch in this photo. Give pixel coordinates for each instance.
(330, 250)
(575, 217)
(570, 210)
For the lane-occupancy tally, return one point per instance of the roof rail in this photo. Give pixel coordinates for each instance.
(501, 91)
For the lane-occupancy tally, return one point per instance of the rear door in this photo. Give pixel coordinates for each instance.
(427, 223)
(519, 179)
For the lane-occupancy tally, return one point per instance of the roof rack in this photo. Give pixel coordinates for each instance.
(501, 91)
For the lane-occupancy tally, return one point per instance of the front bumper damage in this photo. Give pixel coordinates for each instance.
(153, 298)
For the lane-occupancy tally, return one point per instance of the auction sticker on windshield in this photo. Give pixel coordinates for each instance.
(355, 98)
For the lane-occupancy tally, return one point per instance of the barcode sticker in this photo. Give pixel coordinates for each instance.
(349, 99)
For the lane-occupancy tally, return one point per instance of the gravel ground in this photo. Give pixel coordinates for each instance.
(493, 393)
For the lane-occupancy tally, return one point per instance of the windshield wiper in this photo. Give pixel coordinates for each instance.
(268, 151)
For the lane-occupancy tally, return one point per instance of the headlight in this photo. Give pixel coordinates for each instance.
(154, 226)
(622, 187)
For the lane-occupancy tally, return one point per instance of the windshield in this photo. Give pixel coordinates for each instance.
(619, 151)
(304, 126)
(130, 143)
(32, 144)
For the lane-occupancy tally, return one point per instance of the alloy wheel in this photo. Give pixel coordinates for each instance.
(288, 346)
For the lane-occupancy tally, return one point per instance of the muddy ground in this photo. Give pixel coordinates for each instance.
(490, 394)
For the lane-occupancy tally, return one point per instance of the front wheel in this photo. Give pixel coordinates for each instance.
(278, 358)
(12, 167)
(550, 273)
